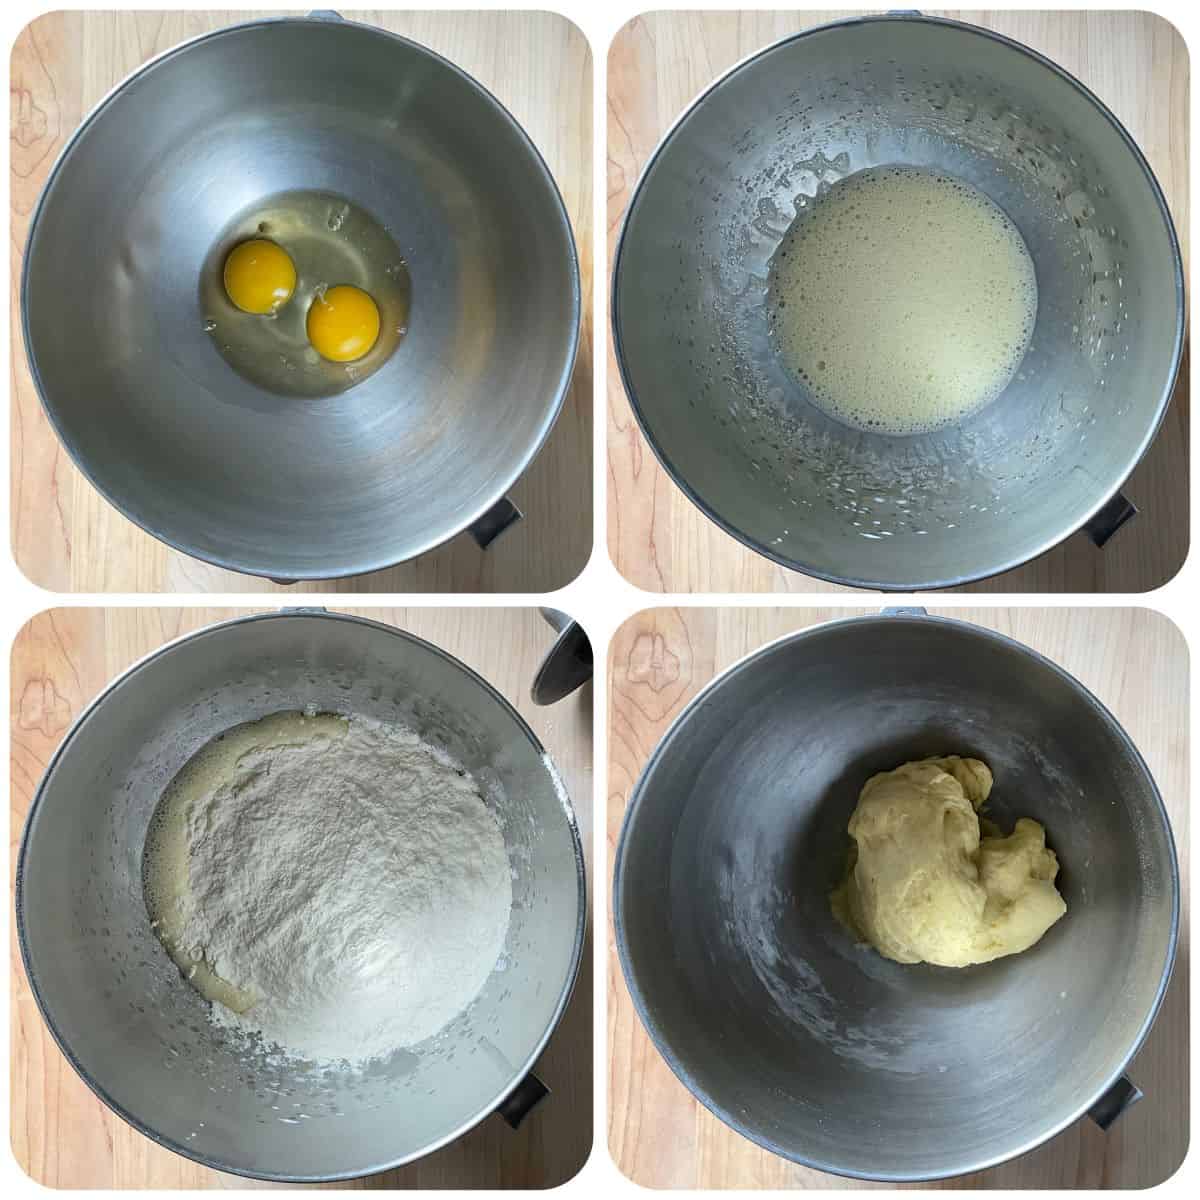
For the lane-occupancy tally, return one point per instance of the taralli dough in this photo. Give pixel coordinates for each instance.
(923, 885)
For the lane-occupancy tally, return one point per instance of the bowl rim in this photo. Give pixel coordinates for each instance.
(217, 629)
(760, 547)
(888, 619)
(501, 484)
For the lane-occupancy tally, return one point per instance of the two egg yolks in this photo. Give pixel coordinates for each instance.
(343, 322)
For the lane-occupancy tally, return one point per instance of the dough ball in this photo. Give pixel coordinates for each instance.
(926, 884)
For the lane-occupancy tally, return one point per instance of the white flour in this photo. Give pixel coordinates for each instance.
(339, 881)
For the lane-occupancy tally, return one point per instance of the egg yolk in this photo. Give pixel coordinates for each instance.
(259, 276)
(343, 324)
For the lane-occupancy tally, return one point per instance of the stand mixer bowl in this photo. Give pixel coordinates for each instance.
(818, 1048)
(301, 487)
(740, 435)
(140, 1035)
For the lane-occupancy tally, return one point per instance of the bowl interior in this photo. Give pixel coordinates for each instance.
(821, 1049)
(741, 435)
(140, 1034)
(279, 484)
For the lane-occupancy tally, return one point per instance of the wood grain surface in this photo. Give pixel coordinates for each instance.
(1135, 660)
(66, 538)
(62, 1135)
(1135, 61)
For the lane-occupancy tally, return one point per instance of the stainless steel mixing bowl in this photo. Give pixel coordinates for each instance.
(740, 436)
(284, 486)
(140, 1036)
(822, 1050)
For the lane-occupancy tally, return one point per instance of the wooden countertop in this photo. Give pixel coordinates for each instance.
(1135, 61)
(66, 538)
(1135, 660)
(62, 1135)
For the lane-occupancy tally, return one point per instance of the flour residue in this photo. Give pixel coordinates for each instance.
(335, 886)
(795, 985)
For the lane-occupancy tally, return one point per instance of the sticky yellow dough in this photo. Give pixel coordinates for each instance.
(923, 885)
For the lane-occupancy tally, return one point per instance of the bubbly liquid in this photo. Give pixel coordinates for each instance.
(903, 300)
(164, 859)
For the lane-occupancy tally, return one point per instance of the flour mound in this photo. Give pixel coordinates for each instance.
(353, 884)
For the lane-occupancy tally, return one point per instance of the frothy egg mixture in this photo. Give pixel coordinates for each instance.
(903, 300)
